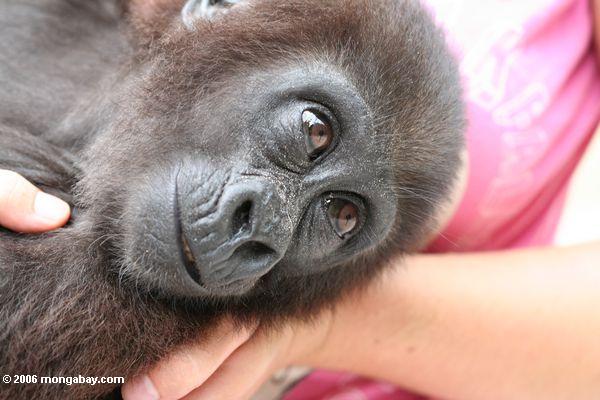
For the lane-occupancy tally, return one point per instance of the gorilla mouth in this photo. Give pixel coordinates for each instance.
(234, 286)
(185, 252)
(239, 285)
(220, 251)
(188, 258)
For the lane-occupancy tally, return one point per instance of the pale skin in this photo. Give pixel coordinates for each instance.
(24, 208)
(506, 325)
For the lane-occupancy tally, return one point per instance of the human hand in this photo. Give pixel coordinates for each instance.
(231, 364)
(24, 208)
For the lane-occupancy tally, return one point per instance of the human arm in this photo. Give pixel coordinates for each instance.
(519, 324)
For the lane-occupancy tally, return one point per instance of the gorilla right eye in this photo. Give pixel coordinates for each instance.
(319, 133)
(343, 216)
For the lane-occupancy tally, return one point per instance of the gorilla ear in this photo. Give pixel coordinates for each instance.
(203, 9)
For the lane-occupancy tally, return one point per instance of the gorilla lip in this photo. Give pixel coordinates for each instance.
(187, 256)
(237, 287)
(189, 260)
(187, 252)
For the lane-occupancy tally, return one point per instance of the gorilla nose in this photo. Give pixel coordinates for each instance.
(242, 240)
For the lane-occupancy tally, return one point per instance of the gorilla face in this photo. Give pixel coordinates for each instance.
(281, 175)
(249, 160)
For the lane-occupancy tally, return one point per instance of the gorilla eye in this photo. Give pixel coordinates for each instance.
(343, 216)
(319, 133)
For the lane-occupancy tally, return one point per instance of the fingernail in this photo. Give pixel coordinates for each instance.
(142, 389)
(50, 207)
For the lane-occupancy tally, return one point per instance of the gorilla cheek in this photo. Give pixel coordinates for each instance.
(150, 240)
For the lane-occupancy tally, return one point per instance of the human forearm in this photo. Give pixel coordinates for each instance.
(514, 325)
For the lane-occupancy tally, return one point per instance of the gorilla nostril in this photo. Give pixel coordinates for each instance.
(242, 217)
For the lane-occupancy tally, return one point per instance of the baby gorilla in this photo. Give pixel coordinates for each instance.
(255, 158)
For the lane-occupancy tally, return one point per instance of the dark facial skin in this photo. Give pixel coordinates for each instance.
(263, 206)
(257, 159)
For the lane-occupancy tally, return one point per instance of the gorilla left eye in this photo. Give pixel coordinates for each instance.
(343, 216)
(318, 133)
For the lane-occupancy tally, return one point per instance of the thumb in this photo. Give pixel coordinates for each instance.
(24, 208)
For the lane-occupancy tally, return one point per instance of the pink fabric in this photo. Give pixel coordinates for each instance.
(533, 93)
(533, 96)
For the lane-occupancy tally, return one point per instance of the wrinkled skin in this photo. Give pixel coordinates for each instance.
(181, 141)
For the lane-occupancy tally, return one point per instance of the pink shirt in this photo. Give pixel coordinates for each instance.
(532, 88)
